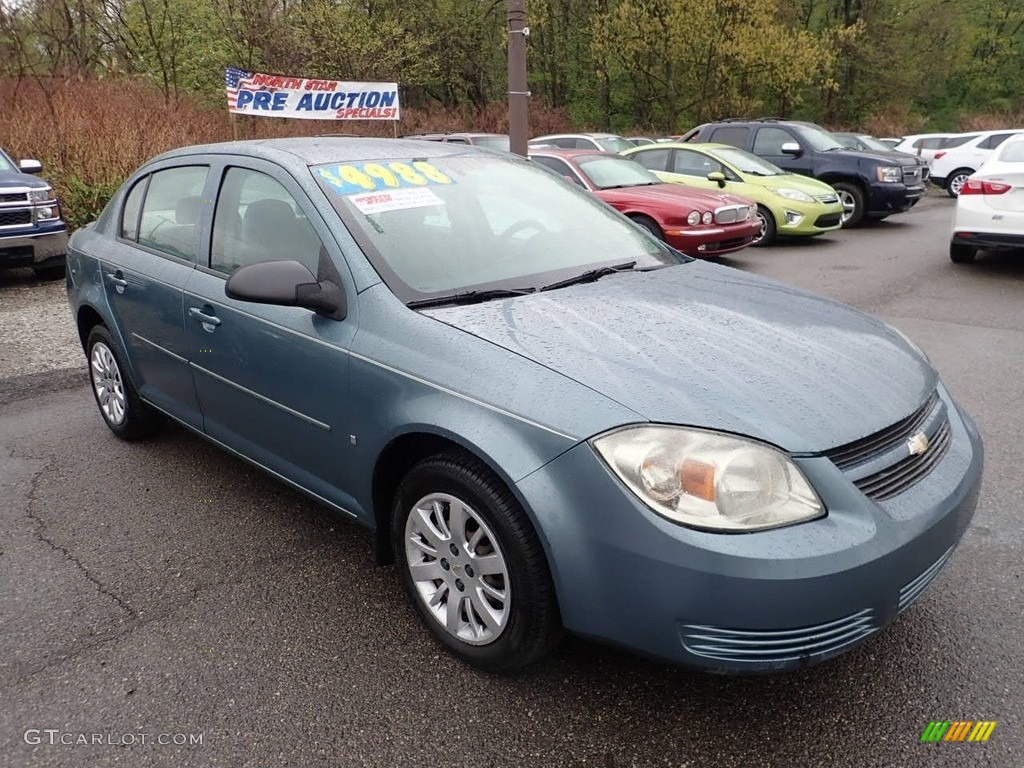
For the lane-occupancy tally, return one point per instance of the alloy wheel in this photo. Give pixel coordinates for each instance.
(849, 204)
(458, 568)
(107, 383)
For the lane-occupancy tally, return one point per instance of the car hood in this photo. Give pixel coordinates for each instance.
(709, 346)
(873, 156)
(18, 179)
(671, 196)
(791, 181)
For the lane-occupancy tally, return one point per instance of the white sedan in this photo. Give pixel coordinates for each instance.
(990, 208)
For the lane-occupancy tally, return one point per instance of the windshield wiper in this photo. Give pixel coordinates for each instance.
(590, 275)
(637, 184)
(470, 297)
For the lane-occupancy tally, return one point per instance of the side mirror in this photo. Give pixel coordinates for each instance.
(30, 166)
(718, 177)
(791, 148)
(287, 284)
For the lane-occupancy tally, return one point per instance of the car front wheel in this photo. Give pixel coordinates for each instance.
(852, 198)
(767, 234)
(472, 564)
(120, 405)
(649, 224)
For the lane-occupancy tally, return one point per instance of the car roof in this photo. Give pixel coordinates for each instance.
(317, 150)
(570, 154)
(572, 135)
(451, 133)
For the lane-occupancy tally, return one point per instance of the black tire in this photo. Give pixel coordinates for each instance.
(138, 420)
(649, 224)
(956, 180)
(532, 625)
(768, 230)
(960, 253)
(850, 193)
(49, 273)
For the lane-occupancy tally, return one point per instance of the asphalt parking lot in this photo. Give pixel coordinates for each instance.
(166, 589)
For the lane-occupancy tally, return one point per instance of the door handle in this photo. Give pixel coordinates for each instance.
(205, 319)
(117, 280)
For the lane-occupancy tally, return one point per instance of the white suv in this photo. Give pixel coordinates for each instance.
(924, 145)
(951, 167)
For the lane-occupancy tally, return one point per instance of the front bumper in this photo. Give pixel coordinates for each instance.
(713, 240)
(36, 247)
(758, 602)
(885, 199)
(814, 218)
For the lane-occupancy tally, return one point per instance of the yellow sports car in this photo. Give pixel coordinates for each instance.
(788, 204)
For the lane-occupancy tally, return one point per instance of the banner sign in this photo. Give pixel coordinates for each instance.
(256, 93)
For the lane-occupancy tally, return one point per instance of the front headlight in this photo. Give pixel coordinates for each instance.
(793, 194)
(40, 195)
(710, 481)
(890, 173)
(693, 219)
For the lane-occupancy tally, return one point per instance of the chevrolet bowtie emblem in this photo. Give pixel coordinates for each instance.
(918, 444)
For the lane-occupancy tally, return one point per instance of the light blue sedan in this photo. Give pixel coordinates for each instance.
(551, 420)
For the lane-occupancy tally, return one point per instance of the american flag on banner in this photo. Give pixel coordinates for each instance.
(234, 79)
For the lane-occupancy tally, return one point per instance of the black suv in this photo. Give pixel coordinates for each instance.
(869, 184)
(32, 232)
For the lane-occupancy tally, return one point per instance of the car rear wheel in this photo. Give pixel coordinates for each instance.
(852, 198)
(956, 180)
(649, 224)
(472, 564)
(959, 253)
(767, 234)
(120, 405)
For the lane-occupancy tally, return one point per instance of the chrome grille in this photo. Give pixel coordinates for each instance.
(865, 449)
(913, 590)
(730, 214)
(15, 218)
(912, 175)
(829, 198)
(13, 197)
(900, 476)
(758, 646)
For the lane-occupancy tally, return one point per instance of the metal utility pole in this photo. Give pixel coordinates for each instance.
(518, 123)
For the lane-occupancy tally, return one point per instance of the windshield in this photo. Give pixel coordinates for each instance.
(872, 143)
(608, 172)
(819, 139)
(6, 164)
(744, 162)
(614, 143)
(493, 142)
(478, 223)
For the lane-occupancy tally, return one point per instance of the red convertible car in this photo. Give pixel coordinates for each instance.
(694, 221)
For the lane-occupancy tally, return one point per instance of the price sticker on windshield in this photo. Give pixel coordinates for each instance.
(357, 178)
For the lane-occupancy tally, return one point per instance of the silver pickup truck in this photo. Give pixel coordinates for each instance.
(32, 230)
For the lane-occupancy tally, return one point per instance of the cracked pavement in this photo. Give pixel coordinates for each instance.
(166, 587)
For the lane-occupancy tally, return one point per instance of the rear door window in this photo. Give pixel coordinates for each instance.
(736, 136)
(170, 212)
(653, 159)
